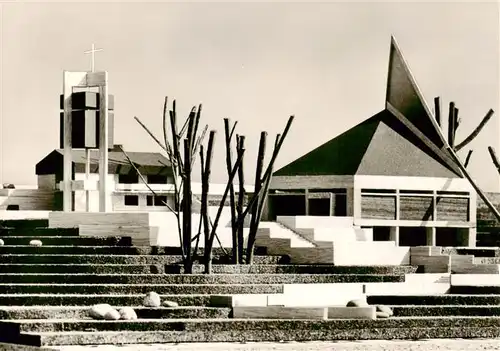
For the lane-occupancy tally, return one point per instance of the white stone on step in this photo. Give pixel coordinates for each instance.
(170, 304)
(384, 309)
(127, 313)
(1, 242)
(99, 311)
(358, 303)
(112, 315)
(152, 299)
(35, 243)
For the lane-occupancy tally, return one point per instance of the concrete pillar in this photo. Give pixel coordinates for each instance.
(394, 235)
(353, 203)
(104, 201)
(430, 236)
(306, 199)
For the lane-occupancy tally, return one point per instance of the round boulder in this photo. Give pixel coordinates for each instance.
(35, 243)
(112, 315)
(152, 299)
(385, 309)
(358, 303)
(170, 304)
(99, 311)
(127, 313)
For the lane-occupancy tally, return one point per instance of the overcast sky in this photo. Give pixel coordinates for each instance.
(256, 63)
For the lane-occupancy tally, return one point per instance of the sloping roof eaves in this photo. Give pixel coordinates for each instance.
(139, 158)
(339, 156)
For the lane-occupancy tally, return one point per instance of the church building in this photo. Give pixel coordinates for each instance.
(391, 173)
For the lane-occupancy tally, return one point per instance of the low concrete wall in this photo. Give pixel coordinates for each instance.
(4, 215)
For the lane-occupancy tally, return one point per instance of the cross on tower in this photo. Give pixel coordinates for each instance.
(92, 52)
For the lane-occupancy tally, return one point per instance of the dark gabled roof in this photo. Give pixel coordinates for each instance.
(139, 158)
(381, 145)
(402, 140)
(339, 156)
(147, 162)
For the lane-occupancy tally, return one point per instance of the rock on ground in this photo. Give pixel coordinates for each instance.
(2, 242)
(170, 304)
(152, 299)
(127, 313)
(100, 311)
(358, 303)
(112, 315)
(385, 309)
(35, 243)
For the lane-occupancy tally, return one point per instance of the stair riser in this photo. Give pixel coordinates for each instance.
(111, 259)
(305, 269)
(40, 232)
(24, 223)
(475, 252)
(102, 250)
(68, 241)
(91, 269)
(78, 250)
(268, 336)
(142, 313)
(179, 279)
(65, 300)
(435, 300)
(434, 311)
(480, 290)
(141, 289)
(257, 325)
(487, 260)
(216, 269)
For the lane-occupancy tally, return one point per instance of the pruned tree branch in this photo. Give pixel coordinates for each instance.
(476, 131)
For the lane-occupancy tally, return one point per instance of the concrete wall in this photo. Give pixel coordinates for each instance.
(27, 199)
(46, 181)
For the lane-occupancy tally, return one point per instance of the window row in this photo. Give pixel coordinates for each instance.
(151, 200)
(133, 178)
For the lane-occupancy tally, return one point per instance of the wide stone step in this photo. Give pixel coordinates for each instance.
(24, 223)
(140, 288)
(39, 231)
(197, 268)
(445, 299)
(299, 333)
(452, 310)
(307, 269)
(79, 250)
(67, 240)
(180, 279)
(92, 299)
(82, 312)
(119, 259)
(90, 268)
(263, 326)
(472, 289)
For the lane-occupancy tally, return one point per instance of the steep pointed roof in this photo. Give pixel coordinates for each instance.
(402, 140)
(404, 96)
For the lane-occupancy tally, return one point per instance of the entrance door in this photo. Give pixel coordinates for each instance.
(287, 205)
